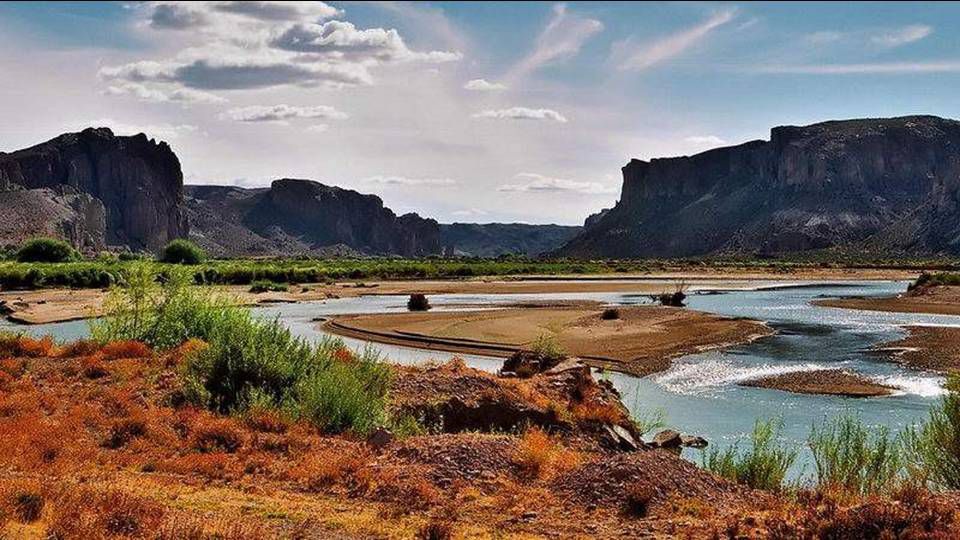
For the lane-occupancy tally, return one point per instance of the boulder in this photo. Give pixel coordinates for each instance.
(667, 438)
(693, 441)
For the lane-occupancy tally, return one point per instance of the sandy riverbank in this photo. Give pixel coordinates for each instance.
(55, 305)
(641, 342)
(934, 348)
(831, 382)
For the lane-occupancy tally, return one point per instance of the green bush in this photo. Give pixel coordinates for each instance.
(182, 251)
(850, 457)
(265, 285)
(934, 446)
(418, 302)
(248, 362)
(47, 250)
(546, 347)
(763, 466)
(160, 315)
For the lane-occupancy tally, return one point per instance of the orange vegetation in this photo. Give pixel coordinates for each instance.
(96, 442)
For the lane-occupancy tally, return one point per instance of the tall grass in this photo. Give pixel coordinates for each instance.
(933, 448)
(853, 458)
(248, 363)
(162, 315)
(763, 465)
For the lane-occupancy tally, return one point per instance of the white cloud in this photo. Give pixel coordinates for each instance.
(278, 11)
(161, 95)
(630, 57)
(521, 113)
(562, 38)
(281, 113)
(470, 212)
(343, 39)
(823, 37)
(876, 68)
(483, 85)
(404, 181)
(253, 45)
(318, 128)
(903, 36)
(705, 140)
(153, 131)
(538, 183)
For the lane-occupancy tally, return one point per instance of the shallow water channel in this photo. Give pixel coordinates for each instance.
(700, 393)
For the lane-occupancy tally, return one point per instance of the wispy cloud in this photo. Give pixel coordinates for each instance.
(879, 68)
(483, 85)
(705, 140)
(538, 183)
(628, 56)
(521, 113)
(903, 36)
(404, 181)
(562, 38)
(282, 113)
(155, 131)
(162, 95)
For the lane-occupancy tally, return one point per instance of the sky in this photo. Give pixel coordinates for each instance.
(469, 112)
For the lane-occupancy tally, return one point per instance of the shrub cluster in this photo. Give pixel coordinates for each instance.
(763, 465)
(265, 285)
(248, 363)
(47, 250)
(182, 251)
(418, 302)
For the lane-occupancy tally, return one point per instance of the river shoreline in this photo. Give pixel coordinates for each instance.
(642, 342)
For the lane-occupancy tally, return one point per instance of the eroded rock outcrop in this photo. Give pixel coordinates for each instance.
(882, 185)
(295, 216)
(136, 181)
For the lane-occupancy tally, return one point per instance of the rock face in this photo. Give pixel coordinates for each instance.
(137, 182)
(495, 239)
(874, 185)
(304, 217)
(75, 217)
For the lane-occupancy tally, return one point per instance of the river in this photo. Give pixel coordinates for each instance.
(700, 393)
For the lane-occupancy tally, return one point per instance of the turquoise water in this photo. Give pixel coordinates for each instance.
(700, 393)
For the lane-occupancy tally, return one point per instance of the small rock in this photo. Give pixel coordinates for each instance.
(623, 439)
(529, 515)
(667, 438)
(693, 441)
(380, 438)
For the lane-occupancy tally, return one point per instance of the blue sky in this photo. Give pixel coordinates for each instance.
(464, 111)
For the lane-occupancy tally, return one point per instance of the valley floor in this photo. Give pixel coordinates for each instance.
(42, 306)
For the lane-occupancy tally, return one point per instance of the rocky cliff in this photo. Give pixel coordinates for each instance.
(303, 217)
(888, 186)
(495, 239)
(136, 182)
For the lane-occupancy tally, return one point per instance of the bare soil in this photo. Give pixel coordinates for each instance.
(934, 348)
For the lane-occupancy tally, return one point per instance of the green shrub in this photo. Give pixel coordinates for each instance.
(47, 250)
(265, 285)
(418, 302)
(182, 251)
(762, 466)
(610, 314)
(546, 347)
(160, 315)
(853, 458)
(934, 446)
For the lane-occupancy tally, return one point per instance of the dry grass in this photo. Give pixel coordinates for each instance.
(125, 349)
(541, 456)
(12, 345)
(216, 435)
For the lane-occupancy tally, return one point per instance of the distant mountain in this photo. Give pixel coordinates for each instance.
(882, 186)
(303, 217)
(495, 239)
(94, 189)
